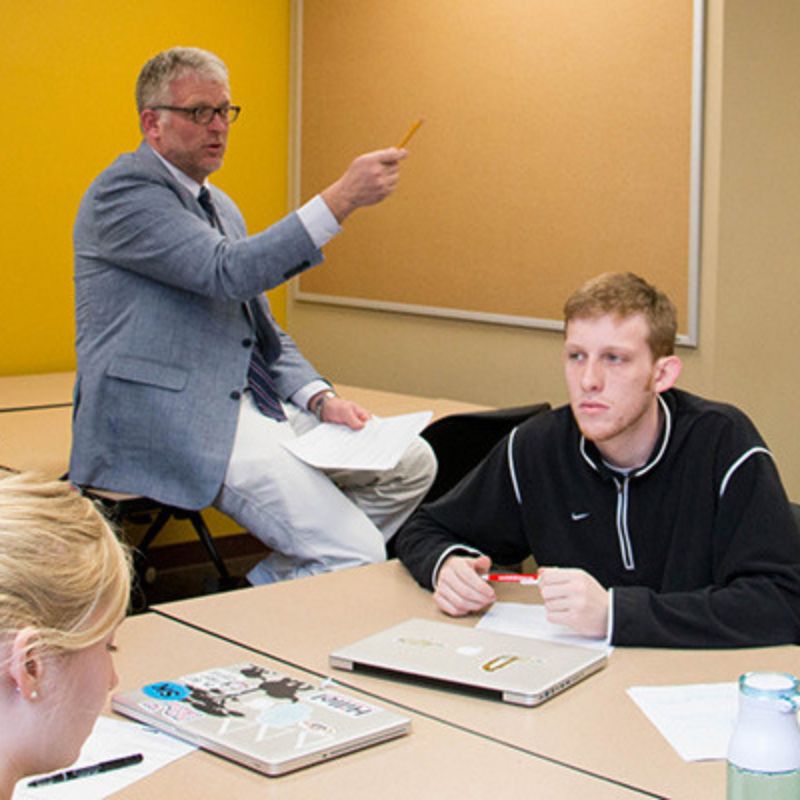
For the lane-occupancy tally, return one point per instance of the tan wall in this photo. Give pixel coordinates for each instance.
(758, 270)
(750, 281)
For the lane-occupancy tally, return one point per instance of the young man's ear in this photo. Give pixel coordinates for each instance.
(25, 663)
(666, 372)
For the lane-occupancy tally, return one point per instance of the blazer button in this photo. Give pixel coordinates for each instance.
(235, 395)
(247, 342)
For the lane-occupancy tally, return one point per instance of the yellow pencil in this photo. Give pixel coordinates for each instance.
(411, 131)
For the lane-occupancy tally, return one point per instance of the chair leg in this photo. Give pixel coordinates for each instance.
(155, 528)
(205, 537)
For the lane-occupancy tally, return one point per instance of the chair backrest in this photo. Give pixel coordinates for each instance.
(461, 441)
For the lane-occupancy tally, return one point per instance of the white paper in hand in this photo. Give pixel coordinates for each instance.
(377, 446)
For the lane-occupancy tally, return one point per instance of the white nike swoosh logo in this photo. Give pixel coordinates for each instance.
(577, 516)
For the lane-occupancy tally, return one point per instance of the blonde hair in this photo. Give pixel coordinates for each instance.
(153, 83)
(63, 571)
(624, 294)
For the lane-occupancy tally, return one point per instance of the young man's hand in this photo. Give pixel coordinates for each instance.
(574, 598)
(460, 589)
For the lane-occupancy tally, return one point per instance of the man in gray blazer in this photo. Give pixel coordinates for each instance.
(186, 385)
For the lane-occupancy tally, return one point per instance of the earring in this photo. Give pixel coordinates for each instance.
(34, 695)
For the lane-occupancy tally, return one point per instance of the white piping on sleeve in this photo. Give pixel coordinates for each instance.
(736, 464)
(461, 548)
(511, 468)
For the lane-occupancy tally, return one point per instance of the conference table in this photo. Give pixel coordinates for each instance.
(54, 389)
(593, 732)
(35, 421)
(36, 417)
(26, 392)
(36, 439)
(435, 760)
(594, 726)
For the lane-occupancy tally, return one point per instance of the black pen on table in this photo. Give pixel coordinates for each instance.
(85, 772)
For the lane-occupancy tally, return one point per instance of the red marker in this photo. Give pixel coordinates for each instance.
(522, 578)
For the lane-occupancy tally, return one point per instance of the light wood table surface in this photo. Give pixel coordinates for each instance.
(37, 437)
(26, 391)
(389, 403)
(20, 392)
(594, 725)
(434, 760)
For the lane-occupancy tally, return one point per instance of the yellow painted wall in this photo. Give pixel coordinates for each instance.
(69, 69)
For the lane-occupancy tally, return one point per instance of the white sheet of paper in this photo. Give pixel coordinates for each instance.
(110, 738)
(696, 719)
(525, 619)
(377, 446)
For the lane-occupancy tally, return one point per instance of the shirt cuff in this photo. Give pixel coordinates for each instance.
(318, 220)
(610, 629)
(301, 397)
(454, 548)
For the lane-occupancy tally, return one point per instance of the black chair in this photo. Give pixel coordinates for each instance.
(796, 510)
(137, 509)
(461, 441)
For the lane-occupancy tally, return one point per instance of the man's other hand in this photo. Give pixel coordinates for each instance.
(574, 598)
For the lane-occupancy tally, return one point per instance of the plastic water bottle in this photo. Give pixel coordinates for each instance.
(764, 752)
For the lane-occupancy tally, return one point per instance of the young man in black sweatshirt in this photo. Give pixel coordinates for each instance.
(657, 517)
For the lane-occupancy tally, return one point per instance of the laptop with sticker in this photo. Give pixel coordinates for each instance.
(516, 669)
(261, 718)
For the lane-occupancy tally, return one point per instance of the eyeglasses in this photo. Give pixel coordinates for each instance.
(202, 115)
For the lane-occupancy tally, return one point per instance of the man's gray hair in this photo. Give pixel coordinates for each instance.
(153, 83)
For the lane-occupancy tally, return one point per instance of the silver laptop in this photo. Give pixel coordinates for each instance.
(260, 718)
(515, 668)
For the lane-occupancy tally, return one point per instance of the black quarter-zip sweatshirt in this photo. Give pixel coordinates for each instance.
(699, 545)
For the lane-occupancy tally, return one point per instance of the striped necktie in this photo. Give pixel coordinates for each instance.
(207, 204)
(262, 387)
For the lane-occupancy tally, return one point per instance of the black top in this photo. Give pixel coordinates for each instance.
(699, 545)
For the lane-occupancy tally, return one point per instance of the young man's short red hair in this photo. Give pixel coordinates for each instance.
(624, 294)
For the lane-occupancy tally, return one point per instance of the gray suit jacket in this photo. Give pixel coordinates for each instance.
(163, 342)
